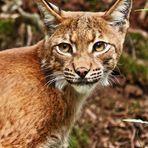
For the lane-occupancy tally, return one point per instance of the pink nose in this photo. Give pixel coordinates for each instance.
(82, 72)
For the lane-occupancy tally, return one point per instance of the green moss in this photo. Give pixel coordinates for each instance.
(141, 45)
(142, 50)
(95, 5)
(79, 138)
(136, 36)
(134, 107)
(74, 143)
(136, 71)
(6, 26)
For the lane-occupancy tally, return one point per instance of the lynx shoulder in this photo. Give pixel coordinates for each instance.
(43, 87)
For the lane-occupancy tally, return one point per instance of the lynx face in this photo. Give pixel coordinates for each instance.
(82, 48)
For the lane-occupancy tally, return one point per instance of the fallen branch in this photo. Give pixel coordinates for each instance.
(135, 121)
(4, 16)
(32, 19)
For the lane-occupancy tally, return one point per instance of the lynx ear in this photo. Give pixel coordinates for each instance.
(119, 13)
(52, 15)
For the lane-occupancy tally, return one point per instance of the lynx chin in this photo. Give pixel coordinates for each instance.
(43, 87)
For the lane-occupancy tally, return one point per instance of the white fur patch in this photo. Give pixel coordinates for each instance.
(61, 84)
(104, 81)
(49, 19)
(43, 63)
(119, 15)
(84, 89)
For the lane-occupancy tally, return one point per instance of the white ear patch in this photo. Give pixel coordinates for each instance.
(48, 19)
(119, 13)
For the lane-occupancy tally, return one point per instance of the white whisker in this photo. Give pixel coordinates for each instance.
(114, 79)
(54, 75)
(54, 80)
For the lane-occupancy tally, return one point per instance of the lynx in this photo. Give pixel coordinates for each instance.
(43, 87)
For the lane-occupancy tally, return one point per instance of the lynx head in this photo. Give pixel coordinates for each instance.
(82, 48)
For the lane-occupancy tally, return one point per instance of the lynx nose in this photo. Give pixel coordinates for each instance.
(82, 72)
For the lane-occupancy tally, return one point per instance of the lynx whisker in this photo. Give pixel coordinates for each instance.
(101, 82)
(110, 81)
(114, 79)
(46, 68)
(55, 79)
(54, 75)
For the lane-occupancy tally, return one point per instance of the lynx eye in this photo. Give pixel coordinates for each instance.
(65, 48)
(99, 46)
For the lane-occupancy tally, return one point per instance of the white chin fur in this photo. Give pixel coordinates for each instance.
(84, 89)
(87, 89)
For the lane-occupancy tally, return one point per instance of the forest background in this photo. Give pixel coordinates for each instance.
(102, 123)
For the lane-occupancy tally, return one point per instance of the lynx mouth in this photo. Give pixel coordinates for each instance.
(84, 86)
(83, 82)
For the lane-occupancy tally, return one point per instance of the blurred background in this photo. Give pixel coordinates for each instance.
(101, 124)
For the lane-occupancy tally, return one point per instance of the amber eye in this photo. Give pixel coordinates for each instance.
(65, 48)
(99, 46)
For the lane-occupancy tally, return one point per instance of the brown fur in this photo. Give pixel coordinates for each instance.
(29, 108)
(34, 110)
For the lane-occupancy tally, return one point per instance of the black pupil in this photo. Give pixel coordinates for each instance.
(99, 45)
(65, 46)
